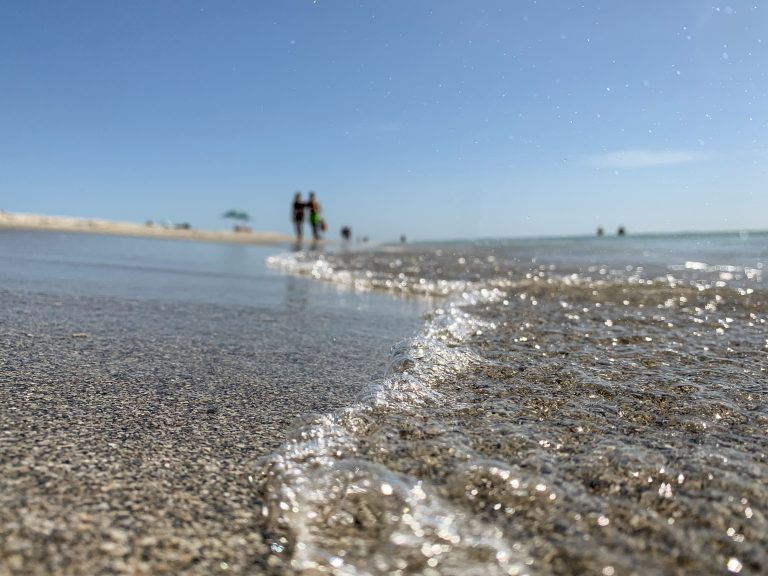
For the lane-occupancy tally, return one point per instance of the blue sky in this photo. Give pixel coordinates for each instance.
(437, 119)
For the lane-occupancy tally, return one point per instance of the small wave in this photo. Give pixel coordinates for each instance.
(322, 267)
(538, 409)
(335, 504)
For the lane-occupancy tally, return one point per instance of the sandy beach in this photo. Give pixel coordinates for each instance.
(600, 408)
(26, 221)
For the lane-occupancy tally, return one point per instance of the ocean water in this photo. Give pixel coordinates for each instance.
(567, 406)
(550, 406)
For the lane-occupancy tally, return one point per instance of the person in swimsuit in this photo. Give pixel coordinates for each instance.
(298, 215)
(315, 220)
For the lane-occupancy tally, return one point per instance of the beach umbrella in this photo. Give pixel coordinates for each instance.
(236, 215)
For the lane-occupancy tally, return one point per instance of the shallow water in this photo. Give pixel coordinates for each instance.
(565, 407)
(569, 406)
(141, 381)
(187, 311)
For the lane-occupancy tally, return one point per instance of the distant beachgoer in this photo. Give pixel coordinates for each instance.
(346, 233)
(621, 231)
(315, 220)
(600, 231)
(298, 215)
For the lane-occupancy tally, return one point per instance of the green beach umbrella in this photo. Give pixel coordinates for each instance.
(237, 215)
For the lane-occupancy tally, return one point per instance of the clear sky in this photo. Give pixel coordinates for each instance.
(437, 119)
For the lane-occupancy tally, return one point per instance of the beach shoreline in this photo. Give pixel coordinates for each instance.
(39, 222)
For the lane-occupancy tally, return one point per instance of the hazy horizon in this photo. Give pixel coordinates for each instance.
(607, 233)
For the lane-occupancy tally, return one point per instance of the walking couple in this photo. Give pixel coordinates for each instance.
(315, 219)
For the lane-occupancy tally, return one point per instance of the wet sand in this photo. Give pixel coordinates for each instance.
(130, 431)
(23, 221)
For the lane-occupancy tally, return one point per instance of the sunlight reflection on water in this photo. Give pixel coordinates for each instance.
(563, 416)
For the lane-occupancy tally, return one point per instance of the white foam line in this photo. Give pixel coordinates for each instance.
(321, 269)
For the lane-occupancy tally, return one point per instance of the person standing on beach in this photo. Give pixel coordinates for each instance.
(298, 215)
(315, 220)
